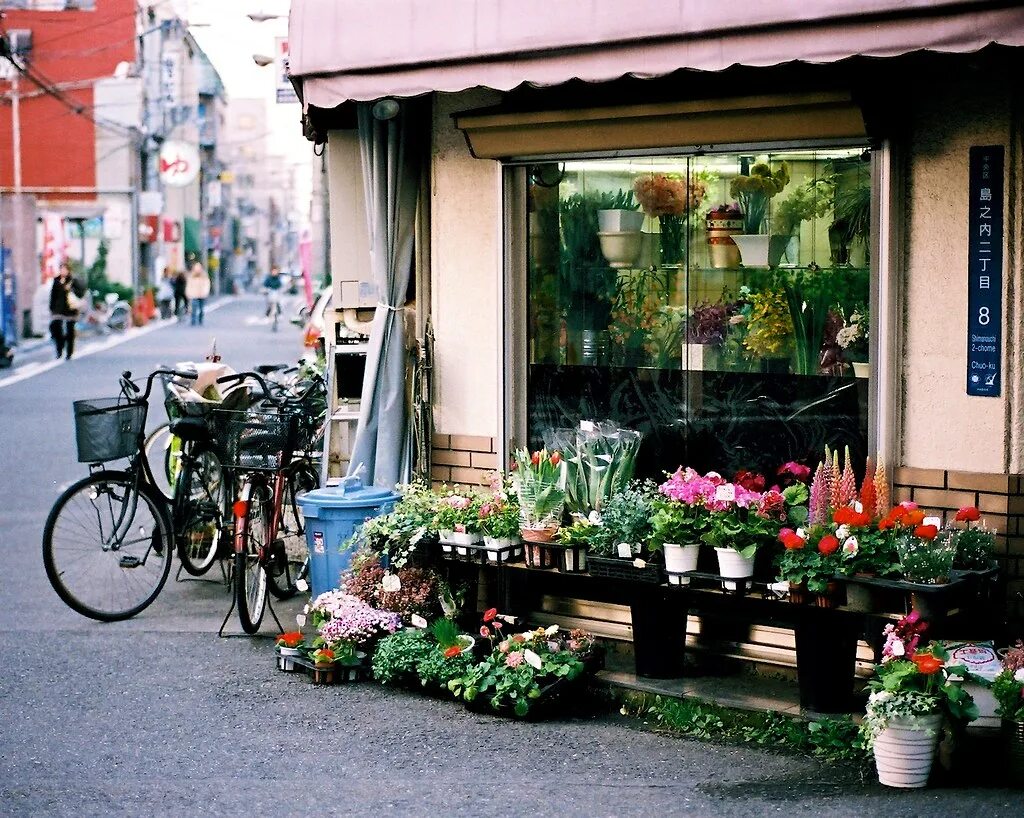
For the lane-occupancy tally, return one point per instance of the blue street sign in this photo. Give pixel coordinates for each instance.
(985, 272)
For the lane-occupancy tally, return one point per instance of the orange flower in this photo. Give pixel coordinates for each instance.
(454, 650)
(913, 517)
(926, 663)
(290, 640)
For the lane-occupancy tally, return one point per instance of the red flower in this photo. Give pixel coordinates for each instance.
(968, 514)
(842, 515)
(485, 632)
(926, 532)
(556, 458)
(290, 640)
(454, 650)
(860, 519)
(828, 545)
(913, 517)
(926, 663)
(489, 614)
(752, 481)
(793, 541)
(535, 459)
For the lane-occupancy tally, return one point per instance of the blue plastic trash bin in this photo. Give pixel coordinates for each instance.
(331, 515)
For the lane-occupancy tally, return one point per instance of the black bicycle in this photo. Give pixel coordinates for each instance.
(108, 539)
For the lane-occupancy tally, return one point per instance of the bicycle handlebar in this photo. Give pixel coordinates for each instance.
(129, 387)
(254, 376)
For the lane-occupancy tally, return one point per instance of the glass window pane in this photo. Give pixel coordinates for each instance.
(717, 303)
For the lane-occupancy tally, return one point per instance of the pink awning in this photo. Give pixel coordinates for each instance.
(366, 49)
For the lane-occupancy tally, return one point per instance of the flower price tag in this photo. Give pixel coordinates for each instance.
(625, 552)
(418, 621)
(639, 563)
(935, 521)
(391, 583)
(725, 493)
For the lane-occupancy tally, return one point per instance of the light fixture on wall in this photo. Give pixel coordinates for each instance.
(262, 60)
(385, 109)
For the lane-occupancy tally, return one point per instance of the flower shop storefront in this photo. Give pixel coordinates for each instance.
(745, 265)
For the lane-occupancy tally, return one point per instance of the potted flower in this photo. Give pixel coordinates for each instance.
(347, 626)
(457, 519)
(574, 542)
(853, 340)
(913, 691)
(402, 535)
(1008, 690)
(449, 641)
(753, 193)
(600, 459)
(975, 545)
(289, 647)
(680, 519)
(706, 335)
(925, 552)
(538, 479)
(499, 522)
(620, 548)
(810, 562)
(324, 665)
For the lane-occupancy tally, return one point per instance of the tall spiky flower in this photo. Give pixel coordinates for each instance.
(817, 496)
(848, 482)
(835, 479)
(881, 488)
(867, 490)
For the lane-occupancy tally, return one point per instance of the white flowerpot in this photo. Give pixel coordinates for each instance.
(733, 565)
(459, 538)
(621, 250)
(904, 751)
(678, 559)
(619, 221)
(861, 369)
(496, 548)
(761, 250)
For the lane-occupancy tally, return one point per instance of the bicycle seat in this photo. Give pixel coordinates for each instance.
(190, 428)
(266, 369)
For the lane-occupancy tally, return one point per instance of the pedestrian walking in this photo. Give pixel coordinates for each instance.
(179, 283)
(65, 304)
(197, 290)
(165, 293)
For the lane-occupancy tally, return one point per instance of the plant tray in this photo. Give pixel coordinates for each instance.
(289, 664)
(480, 554)
(571, 559)
(333, 674)
(614, 568)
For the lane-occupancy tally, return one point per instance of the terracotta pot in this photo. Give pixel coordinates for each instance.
(539, 534)
(905, 749)
(830, 598)
(798, 593)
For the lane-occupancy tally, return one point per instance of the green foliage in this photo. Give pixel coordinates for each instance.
(808, 201)
(678, 523)
(975, 548)
(414, 655)
(829, 739)
(599, 463)
(445, 632)
(810, 566)
(95, 276)
(407, 529)
(581, 532)
(626, 519)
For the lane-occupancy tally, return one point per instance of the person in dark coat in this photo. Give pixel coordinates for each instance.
(179, 282)
(65, 305)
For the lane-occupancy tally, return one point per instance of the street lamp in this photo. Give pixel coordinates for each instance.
(262, 60)
(260, 17)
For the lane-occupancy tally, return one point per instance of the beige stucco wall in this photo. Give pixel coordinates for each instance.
(465, 269)
(942, 427)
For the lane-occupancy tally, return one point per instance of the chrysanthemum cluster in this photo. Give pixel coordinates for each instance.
(341, 617)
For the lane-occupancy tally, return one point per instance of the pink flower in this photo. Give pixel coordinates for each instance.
(514, 659)
(457, 501)
(485, 632)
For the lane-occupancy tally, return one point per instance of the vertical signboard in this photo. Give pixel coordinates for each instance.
(285, 90)
(985, 272)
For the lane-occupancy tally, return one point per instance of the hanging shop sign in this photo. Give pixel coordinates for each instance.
(985, 272)
(179, 163)
(285, 90)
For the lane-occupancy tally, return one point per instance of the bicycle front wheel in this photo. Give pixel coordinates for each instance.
(250, 574)
(107, 546)
(198, 502)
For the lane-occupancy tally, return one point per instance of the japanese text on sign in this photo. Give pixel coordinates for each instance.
(985, 272)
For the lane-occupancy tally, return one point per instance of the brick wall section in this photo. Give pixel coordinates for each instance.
(463, 460)
(999, 497)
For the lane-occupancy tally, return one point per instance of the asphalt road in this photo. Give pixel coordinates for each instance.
(158, 715)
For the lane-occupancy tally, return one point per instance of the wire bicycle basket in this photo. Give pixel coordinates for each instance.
(107, 428)
(253, 440)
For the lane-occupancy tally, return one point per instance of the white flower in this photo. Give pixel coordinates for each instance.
(879, 696)
(1018, 675)
(896, 647)
(551, 630)
(532, 659)
(850, 547)
(801, 533)
(842, 532)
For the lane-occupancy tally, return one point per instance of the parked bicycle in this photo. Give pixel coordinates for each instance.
(265, 444)
(104, 315)
(108, 539)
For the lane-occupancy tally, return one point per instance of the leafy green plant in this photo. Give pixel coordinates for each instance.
(626, 518)
(499, 517)
(445, 633)
(1008, 686)
(675, 522)
(975, 548)
(808, 201)
(926, 560)
(539, 483)
(580, 533)
(397, 656)
(600, 461)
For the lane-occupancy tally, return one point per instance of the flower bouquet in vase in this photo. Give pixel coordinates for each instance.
(668, 197)
(913, 692)
(538, 480)
(758, 249)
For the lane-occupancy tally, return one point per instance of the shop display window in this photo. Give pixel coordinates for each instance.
(718, 303)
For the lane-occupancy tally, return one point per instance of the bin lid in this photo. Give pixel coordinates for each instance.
(349, 493)
(978, 657)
